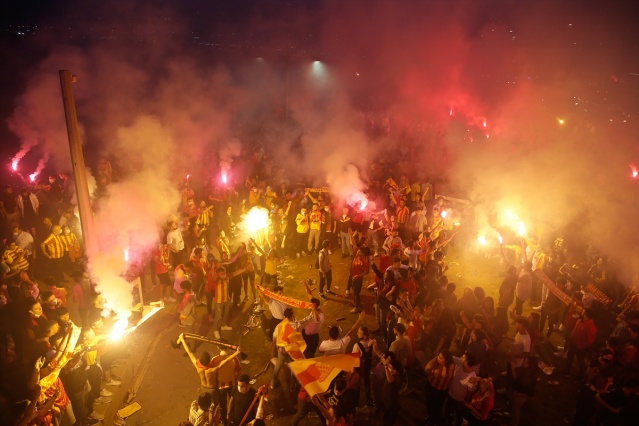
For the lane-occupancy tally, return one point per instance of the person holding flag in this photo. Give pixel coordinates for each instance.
(288, 341)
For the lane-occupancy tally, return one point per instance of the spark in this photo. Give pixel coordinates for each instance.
(561, 121)
(119, 328)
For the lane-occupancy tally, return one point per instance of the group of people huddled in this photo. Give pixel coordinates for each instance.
(451, 348)
(43, 285)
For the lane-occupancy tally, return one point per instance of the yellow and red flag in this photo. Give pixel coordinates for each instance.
(316, 374)
(290, 339)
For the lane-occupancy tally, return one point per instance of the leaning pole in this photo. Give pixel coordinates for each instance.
(77, 162)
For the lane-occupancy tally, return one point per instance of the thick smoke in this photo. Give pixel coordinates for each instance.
(512, 103)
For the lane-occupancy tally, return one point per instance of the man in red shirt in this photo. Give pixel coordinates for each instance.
(359, 268)
(581, 340)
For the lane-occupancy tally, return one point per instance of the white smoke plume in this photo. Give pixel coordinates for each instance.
(131, 215)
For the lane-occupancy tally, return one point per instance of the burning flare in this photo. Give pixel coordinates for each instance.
(119, 328)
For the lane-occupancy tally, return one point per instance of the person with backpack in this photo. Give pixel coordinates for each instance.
(365, 350)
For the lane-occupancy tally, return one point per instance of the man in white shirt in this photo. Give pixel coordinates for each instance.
(176, 244)
(335, 345)
(24, 240)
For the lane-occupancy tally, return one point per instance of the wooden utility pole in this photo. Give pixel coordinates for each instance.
(77, 161)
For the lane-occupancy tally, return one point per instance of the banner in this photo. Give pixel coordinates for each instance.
(316, 374)
(322, 189)
(567, 300)
(296, 303)
(598, 294)
(290, 339)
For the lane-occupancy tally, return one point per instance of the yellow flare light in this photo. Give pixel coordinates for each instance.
(256, 219)
(119, 328)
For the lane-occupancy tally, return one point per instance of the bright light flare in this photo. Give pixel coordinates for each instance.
(126, 254)
(561, 121)
(521, 229)
(482, 240)
(444, 214)
(32, 177)
(224, 178)
(187, 177)
(485, 124)
(450, 112)
(119, 328)
(362, 204)
(500, 239)
(256, 219)
(14, 165)
(634, 171)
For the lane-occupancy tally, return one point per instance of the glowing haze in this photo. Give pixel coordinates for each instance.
(505, 100)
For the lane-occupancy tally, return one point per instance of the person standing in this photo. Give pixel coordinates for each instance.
(315, 220)
(9, 207)
(314, 322)
(360, 267)
(345, 224)
(365, 348)
(581, 340)
(241, 405)
(175, 241)
(53, 248)
(325, 269)
(439, 372)
(302, 230)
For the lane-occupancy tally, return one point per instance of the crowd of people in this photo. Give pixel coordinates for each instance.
(457, 350)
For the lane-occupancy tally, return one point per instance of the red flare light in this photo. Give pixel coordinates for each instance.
(33, 176)
(485, 123)
(187, 177)
(451, 112)
(635, 171)
(14, 165)
(224, 178)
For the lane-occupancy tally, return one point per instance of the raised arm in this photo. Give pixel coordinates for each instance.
(188, 350)
(355, 326)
